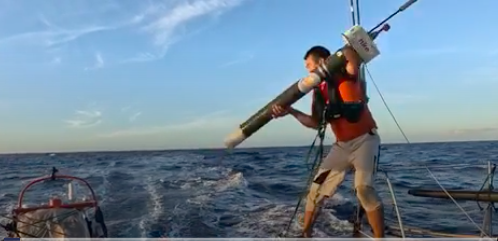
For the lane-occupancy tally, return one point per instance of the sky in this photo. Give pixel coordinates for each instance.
(85, 75)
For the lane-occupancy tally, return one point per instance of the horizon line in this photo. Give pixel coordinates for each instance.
(225, 149)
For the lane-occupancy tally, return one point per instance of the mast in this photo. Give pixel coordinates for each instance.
(352, 9)
(354, 6)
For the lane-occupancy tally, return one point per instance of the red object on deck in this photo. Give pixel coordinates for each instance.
(55, 202)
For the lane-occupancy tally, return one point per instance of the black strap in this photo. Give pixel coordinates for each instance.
(335, 100)
(319, 104)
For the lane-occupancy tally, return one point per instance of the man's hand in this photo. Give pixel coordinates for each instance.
(279, 111)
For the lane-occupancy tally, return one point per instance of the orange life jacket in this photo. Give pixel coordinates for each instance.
(342, 101)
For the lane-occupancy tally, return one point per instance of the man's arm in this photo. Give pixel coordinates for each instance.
(353, 61)
(304, 119)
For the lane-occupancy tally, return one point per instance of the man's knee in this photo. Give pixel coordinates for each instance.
(314, 199)
(368, 198)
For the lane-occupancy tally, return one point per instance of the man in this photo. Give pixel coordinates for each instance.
(357, 142)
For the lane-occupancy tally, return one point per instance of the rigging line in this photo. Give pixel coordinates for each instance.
(386, 105)
(318, 158)
(426, 168)
(320, 135)
(460, 207)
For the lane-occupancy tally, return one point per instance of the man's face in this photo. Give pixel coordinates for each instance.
(311, 63)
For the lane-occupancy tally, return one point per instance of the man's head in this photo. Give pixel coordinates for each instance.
(315, 56)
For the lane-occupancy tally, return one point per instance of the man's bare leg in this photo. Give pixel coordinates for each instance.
(324, 185)
(308, 224)
(310, 218)
(376, 220)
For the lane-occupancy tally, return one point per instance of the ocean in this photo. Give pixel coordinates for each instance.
(250, 192)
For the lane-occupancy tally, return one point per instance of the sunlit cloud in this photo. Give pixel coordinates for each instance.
(84, 119)
(217, 119)
(243, 58)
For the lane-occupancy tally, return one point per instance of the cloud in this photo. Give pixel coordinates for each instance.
(134, 113)
(54, 36)
(153, 26)
(85, 119)
(126, 108)
(474, 131)
(164, 23)
(55, 40)
(56, 61)
(217, 119)
(135, 116)
(243, 58)
(401, 98)
(484, 74)
(143, 57)
(99, 62)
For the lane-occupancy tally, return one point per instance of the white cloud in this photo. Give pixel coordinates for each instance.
(474, 131)
(163, 23)
(217, 119)
(143, 57)
(99, 62)
(131, 112)
(468, 134)
(245, 57)
(484, 74)
(126, 108)
(53, 37)
(85, 119)
(135, 116)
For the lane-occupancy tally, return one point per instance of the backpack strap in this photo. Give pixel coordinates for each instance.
(319, 104)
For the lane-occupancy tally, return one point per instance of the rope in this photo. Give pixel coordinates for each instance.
(316, 162)
(425, 166)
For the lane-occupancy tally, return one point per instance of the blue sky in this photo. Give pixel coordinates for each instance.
(125, 74)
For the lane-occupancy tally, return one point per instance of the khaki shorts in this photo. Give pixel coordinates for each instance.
(361, 153)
